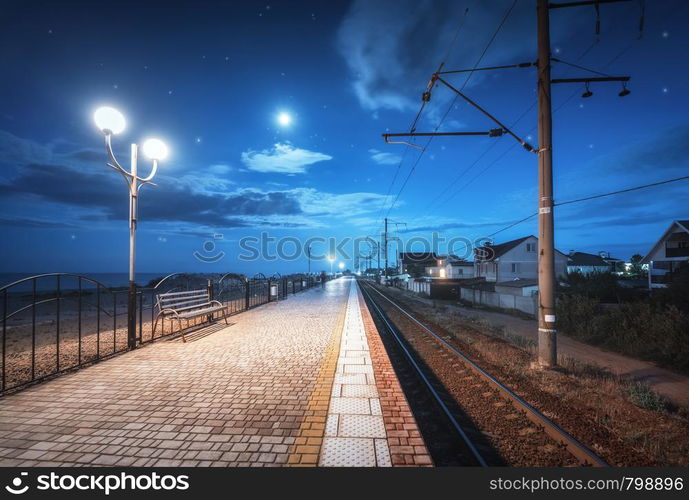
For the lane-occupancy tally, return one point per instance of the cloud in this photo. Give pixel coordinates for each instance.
(220, 169)
(34, 223)
(89, 196)
(319, 203)
(59, 192)
(393, 46)
(660, 151)
(282, 158)
(15, 151)
(384, 158)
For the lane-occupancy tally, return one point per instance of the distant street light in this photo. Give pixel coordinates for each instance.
(110, 121)
(341, 265)
(331, 258)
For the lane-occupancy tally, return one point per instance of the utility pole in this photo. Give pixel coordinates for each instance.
(308, 253)
(547, 327)
(385, 250)
(378, 273)
(547, 332)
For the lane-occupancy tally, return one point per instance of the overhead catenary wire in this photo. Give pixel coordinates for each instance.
(439, 203)
(412, 127)
(452, 103)
(594, 197)
(436, 203)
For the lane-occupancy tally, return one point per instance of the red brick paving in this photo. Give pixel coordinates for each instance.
(404, 439)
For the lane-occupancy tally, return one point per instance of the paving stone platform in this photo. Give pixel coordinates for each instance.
(288, 383)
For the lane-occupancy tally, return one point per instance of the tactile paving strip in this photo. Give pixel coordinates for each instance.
(355, 434)
(348, 452)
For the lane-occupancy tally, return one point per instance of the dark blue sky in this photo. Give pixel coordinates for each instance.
(210, 79)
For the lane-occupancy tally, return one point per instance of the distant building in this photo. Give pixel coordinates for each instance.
(516, 259)
(414, 263)
(587, 263)
(669, 253)
(450, 267)
(616, 265)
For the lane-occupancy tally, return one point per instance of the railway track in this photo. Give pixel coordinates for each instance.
(475, 404)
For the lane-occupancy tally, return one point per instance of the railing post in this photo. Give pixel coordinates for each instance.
(209, 288)
(247, 293)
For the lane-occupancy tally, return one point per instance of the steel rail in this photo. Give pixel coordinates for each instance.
(476, 454)
(577, 449)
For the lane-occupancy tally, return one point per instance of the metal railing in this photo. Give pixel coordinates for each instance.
(57, 322)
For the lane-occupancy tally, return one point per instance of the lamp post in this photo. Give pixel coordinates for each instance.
(331, 258)
(111, 122)
(341, 265)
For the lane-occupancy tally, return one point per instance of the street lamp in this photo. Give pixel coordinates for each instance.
(341, 265)
(110, 121)
(331, 258)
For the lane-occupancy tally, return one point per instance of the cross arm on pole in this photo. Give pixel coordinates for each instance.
(592, 79)
(521, 141)
(560, 5)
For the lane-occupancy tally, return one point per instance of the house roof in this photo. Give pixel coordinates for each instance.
(502, 248)
(683, 225)
(586, 259)
(518, 283)
(462, 263)
(418, 258)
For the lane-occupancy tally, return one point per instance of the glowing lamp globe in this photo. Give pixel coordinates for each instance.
(109, 120)
(331, 258)
(341, 264)
(155, 149)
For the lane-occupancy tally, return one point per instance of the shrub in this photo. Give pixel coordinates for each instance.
(638, 329)
(643, 396)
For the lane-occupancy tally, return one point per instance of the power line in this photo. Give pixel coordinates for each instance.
(412, 127)
(452, 103)
(436, 203)
(627, 190)
(594, 197)
(571, 96)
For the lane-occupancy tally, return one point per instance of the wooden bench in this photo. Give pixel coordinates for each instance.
(186, 305)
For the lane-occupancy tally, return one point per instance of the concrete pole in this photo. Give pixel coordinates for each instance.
(547, 333)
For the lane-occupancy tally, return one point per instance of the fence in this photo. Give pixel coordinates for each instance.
(415, 286)
(528, 305)
(52, 323)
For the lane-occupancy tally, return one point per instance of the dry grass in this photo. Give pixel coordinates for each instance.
(641, 419)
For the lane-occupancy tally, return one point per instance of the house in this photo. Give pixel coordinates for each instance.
(587, 263)
(616, 265)
(415, 263)
(516, 259)
(460, 269)
(450, 267)
(669, 253)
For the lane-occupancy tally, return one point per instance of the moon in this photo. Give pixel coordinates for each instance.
(284, 119)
